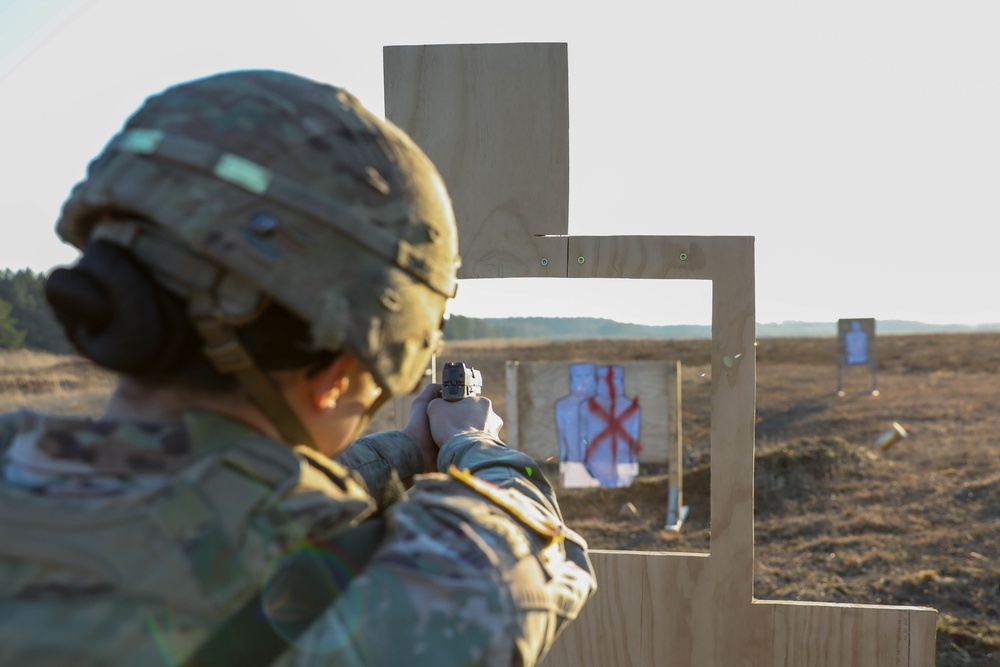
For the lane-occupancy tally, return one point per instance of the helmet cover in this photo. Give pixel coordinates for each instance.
(294, 189)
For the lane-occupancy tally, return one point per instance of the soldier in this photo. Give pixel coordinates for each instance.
(264, 264)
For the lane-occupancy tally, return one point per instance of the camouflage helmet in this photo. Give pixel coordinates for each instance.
(255, 185)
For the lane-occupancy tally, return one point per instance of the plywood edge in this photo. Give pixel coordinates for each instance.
(675, 454)
(612, 553)
(845, 605)
(923, 636)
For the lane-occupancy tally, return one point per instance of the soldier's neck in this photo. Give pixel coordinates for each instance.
(134, 401)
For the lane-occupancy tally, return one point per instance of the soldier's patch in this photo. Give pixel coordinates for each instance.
(513, 502)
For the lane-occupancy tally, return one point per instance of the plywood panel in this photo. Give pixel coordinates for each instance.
(678, 631)
(675, 257)
(733, 392)
(539, 385)
(828, 635)
(494, 119)
(609, 629)
(740, 635)
(923, 637)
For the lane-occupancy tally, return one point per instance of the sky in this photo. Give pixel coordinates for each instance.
(858, 142)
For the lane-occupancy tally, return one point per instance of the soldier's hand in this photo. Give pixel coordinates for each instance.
(475, 413)
(419, 429)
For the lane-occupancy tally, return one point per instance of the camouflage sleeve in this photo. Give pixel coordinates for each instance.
(375, 456)
(489, 459)
(459, 579)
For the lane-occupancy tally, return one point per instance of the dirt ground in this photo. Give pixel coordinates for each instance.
(837, 518)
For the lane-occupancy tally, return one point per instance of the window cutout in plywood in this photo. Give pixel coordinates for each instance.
(602, 407)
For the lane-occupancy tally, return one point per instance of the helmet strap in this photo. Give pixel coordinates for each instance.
(225, 351)
(366, 419)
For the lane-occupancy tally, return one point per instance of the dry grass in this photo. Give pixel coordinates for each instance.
(52, 383)
(837, 519)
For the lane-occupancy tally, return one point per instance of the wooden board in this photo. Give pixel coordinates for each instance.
(535, 387)
(610, 629)
(681, 610)
(679, 257)
(501, 142)
(829, 635)
(698, 610)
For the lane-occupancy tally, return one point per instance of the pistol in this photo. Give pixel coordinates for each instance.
(459, 381)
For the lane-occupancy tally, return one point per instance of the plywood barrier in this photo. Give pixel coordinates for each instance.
(484, 123)
(690, 610)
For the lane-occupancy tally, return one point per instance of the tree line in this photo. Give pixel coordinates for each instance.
(462, 328)
(25, 317)
(459, 327)
(27, 321)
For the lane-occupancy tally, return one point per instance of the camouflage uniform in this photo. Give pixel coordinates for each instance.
(163, 530)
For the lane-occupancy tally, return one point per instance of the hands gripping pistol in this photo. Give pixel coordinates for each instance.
(459, 381)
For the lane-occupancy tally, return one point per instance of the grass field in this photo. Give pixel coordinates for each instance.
(837, 518)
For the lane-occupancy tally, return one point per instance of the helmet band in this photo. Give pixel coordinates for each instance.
(267, 185)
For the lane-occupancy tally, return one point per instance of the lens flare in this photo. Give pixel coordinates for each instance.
(160, 636)
(299, 588)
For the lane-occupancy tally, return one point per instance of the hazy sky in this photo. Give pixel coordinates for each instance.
(859, 142)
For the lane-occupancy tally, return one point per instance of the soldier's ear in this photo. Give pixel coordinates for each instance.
(326, 386)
